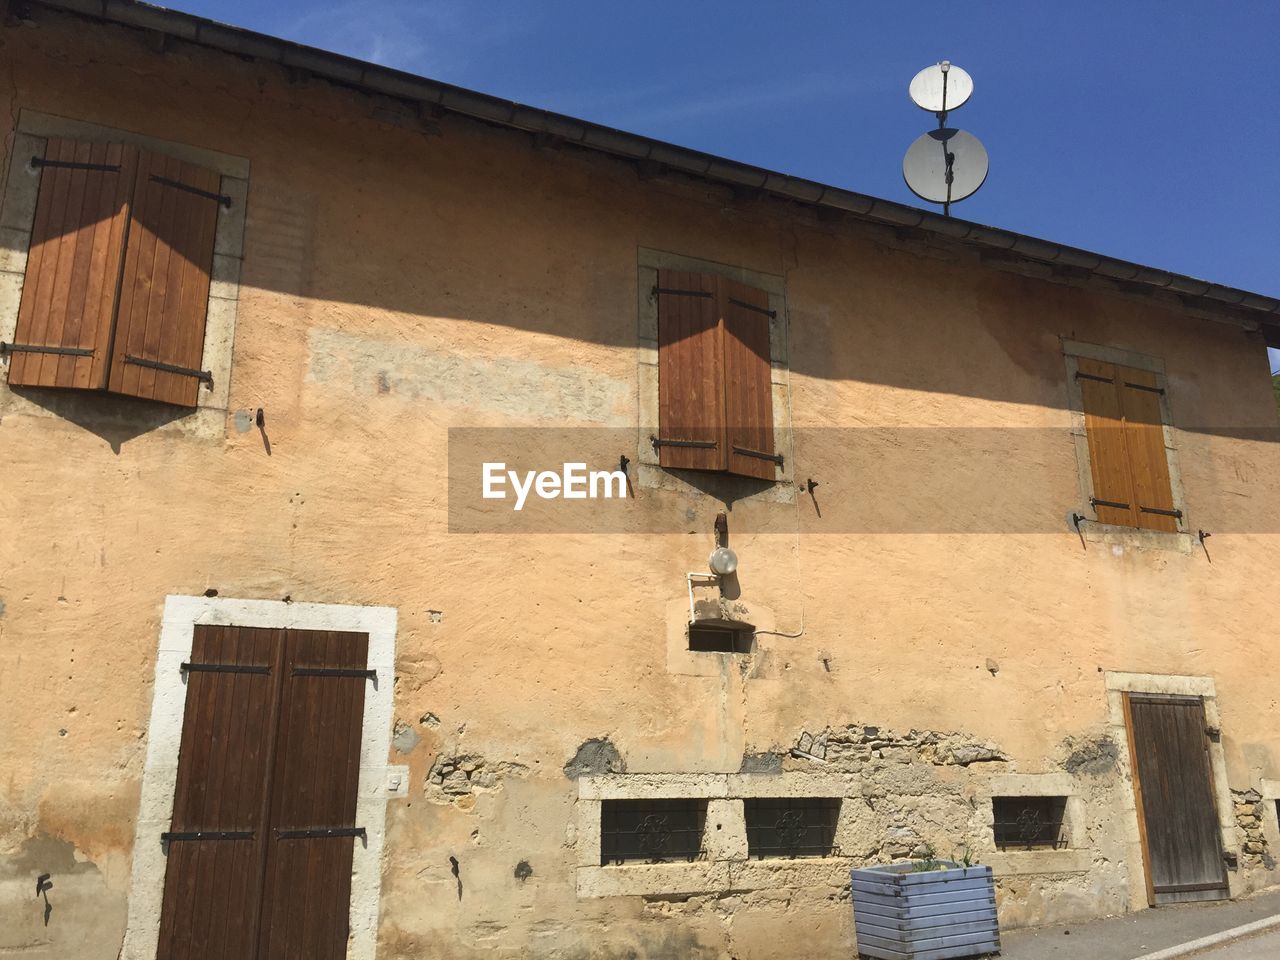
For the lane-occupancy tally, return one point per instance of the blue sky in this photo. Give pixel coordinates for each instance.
(1143, 130)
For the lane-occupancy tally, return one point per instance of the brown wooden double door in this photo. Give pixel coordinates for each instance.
(260, 847)
(1177, 812)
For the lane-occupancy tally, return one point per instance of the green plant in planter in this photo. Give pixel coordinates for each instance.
(964, 856)
(928, 860)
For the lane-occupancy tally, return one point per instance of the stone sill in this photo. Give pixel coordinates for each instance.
(712, 877)
(1026, 862)
(1135, 538)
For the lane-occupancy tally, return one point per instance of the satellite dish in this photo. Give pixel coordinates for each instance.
(941, 87)
(945, 165)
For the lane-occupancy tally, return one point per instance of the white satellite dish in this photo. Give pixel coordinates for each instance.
(945, 165)
(941, 87)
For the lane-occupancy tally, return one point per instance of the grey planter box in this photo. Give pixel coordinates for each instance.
(934, 915)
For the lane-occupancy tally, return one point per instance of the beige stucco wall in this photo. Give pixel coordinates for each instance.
(403, 277)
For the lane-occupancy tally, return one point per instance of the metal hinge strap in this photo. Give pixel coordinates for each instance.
(1160, 512)
(203, 375)
(75, 164)
(683, 293)
(1095, 502)
(312, 833)
(775, 457)
(41, 348)
(1143, 386)
(207, 194)
(334, 672)
(771, 314)
(1080, 375)
(206, 835)
(189, 667)
(663, 442)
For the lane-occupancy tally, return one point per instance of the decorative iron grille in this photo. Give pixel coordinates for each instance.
(653, 831)
(1029, 822)
(791, 826)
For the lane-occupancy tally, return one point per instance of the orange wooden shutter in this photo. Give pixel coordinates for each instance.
(159, 340)
(1144, 438)
(73, 266)
(691, 412)
(748, 384)
(1108, 451)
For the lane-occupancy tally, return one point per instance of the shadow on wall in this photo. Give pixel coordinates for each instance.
(545, 241)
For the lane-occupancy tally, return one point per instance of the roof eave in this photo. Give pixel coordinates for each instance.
(1238, 306)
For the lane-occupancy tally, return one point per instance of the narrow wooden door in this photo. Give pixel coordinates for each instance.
(1177, 812)
(260, 847)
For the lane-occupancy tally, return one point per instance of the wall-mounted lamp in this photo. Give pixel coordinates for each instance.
(722, 561)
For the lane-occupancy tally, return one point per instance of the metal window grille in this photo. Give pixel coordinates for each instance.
(1029, 822)
(652, 831)
(706, 638)
(791, 826)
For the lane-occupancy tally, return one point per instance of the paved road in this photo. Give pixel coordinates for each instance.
(1136, 934)
(1265, 946)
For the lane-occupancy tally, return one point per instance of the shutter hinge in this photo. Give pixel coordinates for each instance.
(75, 165)
(312, 833)
(189, 667)
(1143, 386)
(663, 442)
(1159, 512)
(203, 375)
(682, 293)
(771, 314)
(334, 672)
(41, 348)
(775, 457)
(222, 198)
(1080, 375)
(206, 835)
(1095, 502)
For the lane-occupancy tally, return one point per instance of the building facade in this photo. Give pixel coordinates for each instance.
(281, 680)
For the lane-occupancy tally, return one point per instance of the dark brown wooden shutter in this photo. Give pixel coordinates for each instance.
(748, 383)
(307, 889)
(1144, 439)
(73, 266)
(159, 339)
(260, 847)
(691, 413)
(1173, 783)
(217, 839)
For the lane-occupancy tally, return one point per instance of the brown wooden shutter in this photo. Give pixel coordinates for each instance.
(691, 414)
(217, 839)
(1144, 438)
(1108, 451)
(1126, 446)
(260, 847)
(73, 265)
(307, 888)
(159, 339)
(748, 383)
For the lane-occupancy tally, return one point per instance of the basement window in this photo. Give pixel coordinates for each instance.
(720, 638)
(1027, 823)
(651, 831)
(791, 826)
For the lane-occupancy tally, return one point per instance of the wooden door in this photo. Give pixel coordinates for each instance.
(1177, 811)
(260, 847)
